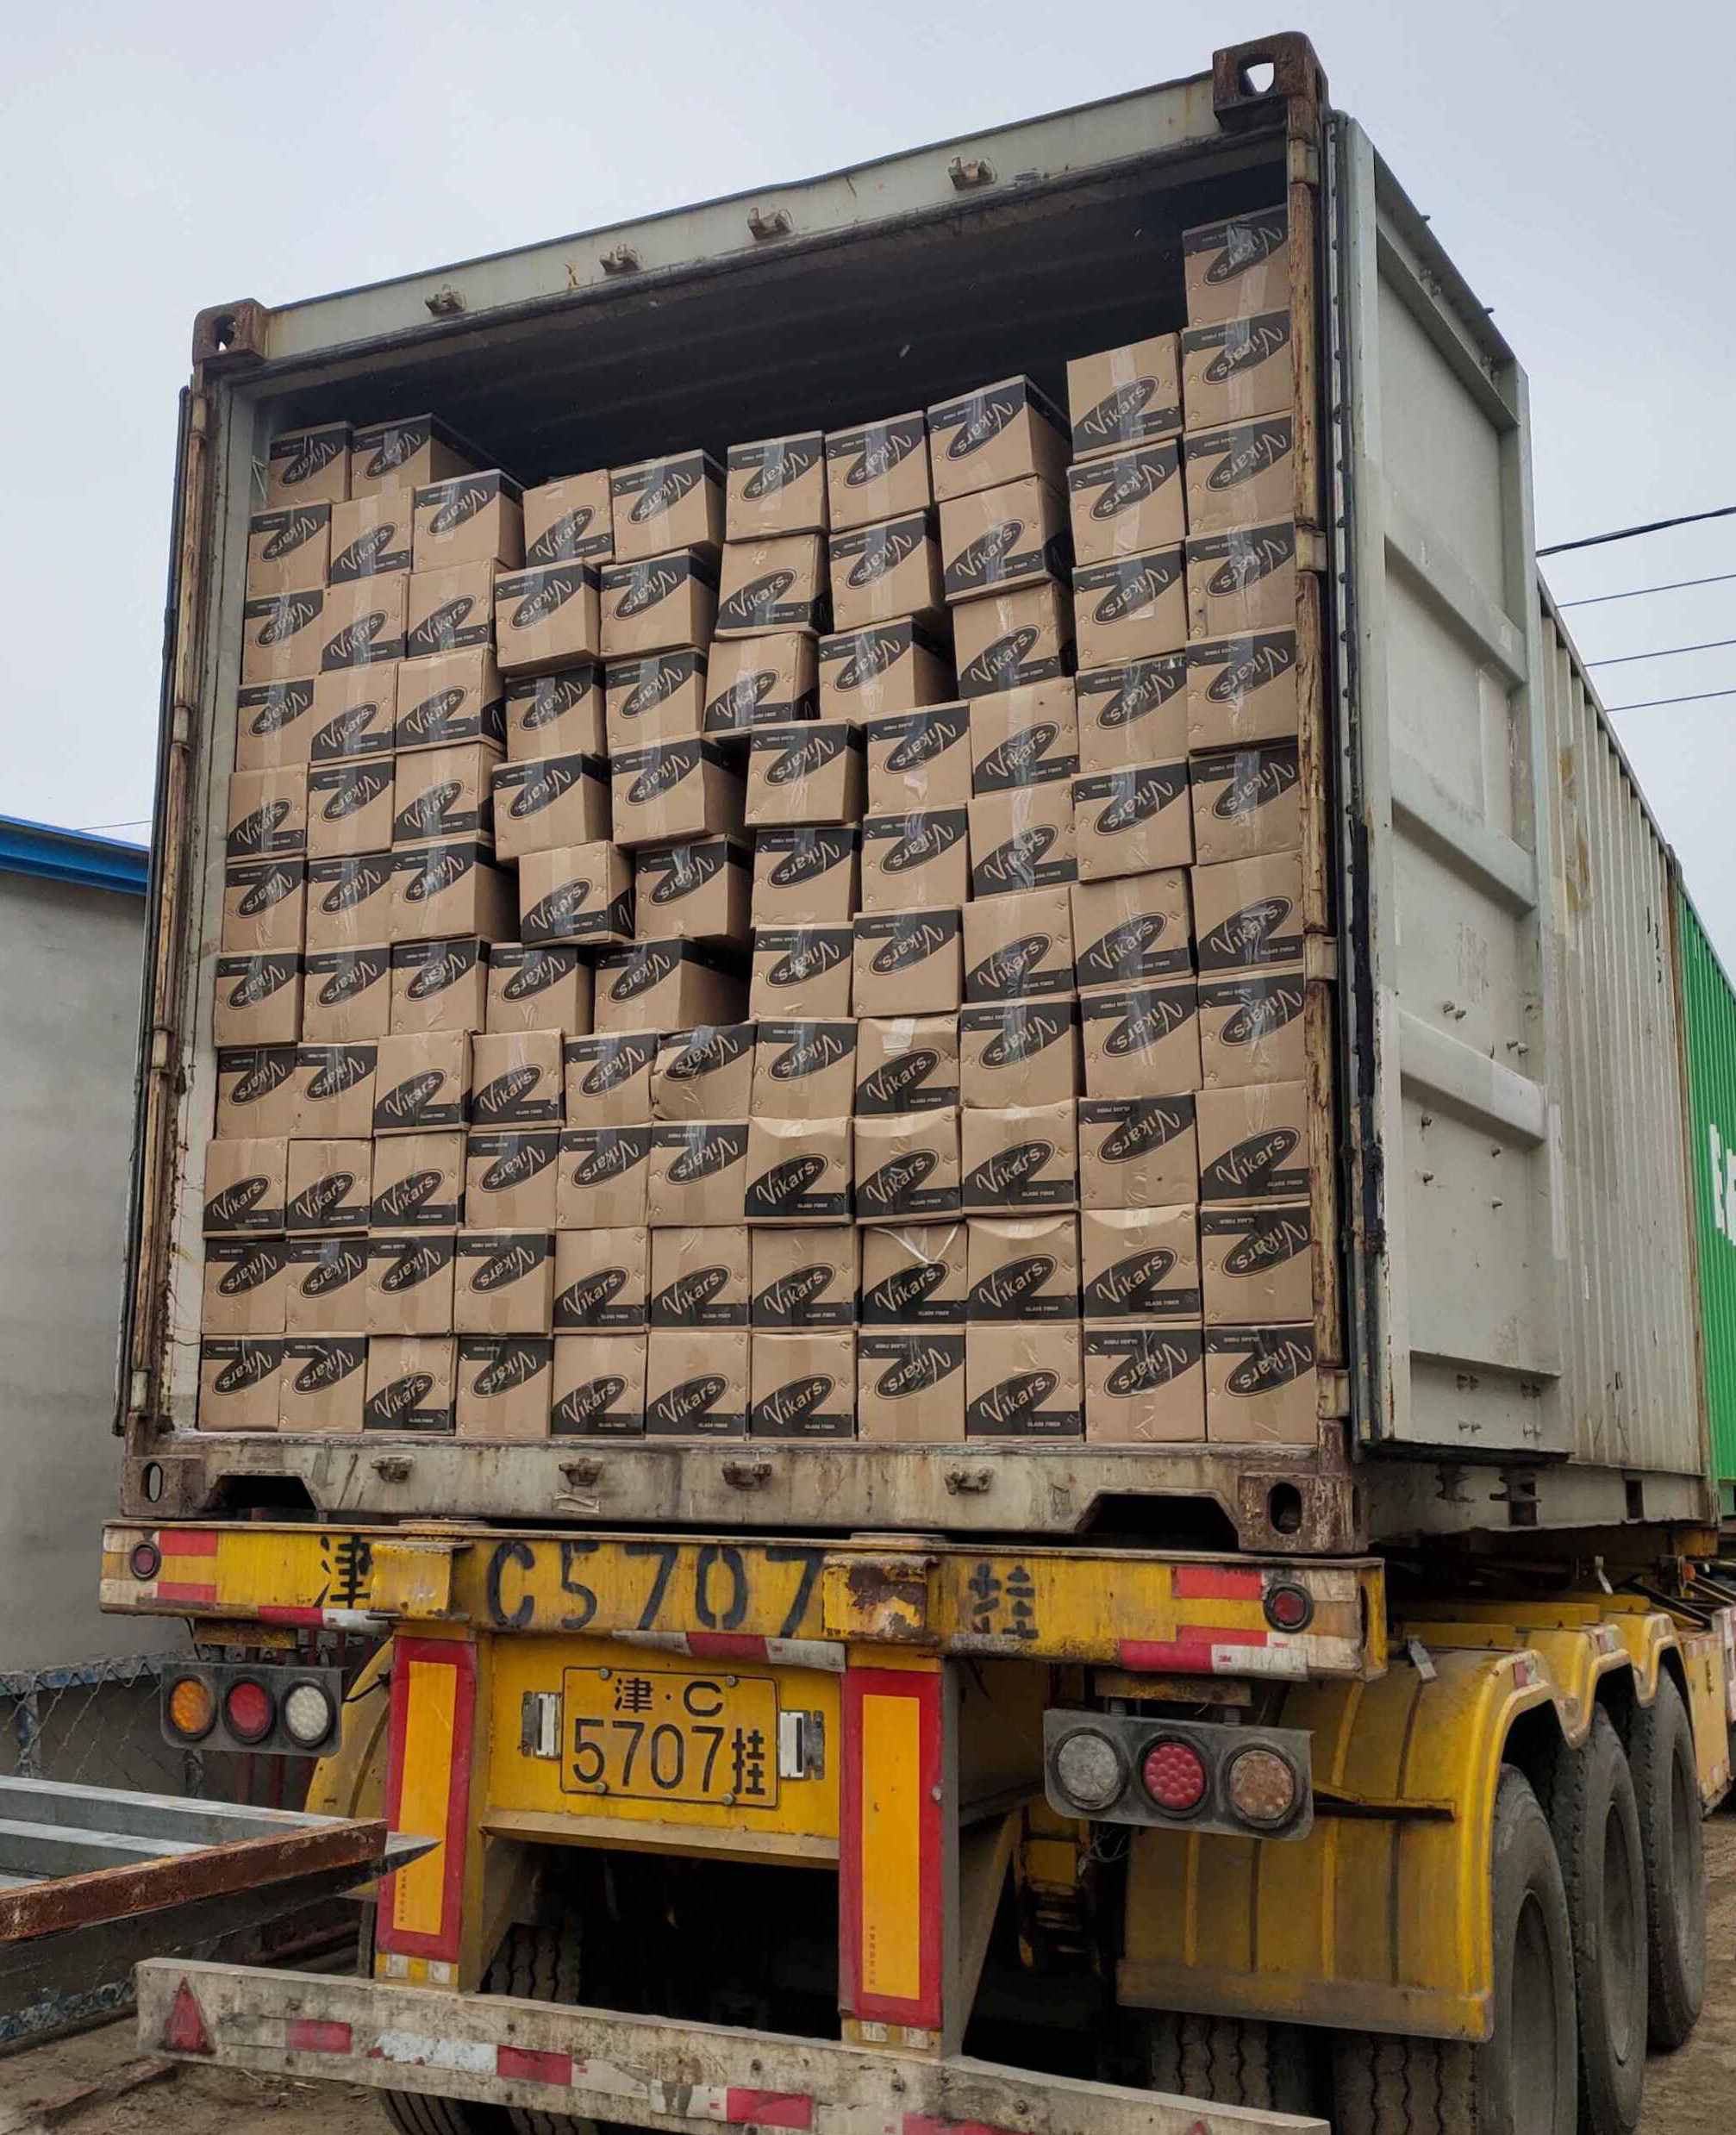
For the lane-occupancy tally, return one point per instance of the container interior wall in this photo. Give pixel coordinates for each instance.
(1708, 1009)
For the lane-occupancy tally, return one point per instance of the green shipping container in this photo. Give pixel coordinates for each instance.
(1709, 1003)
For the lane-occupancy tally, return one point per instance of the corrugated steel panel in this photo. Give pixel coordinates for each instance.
(1708, 1004)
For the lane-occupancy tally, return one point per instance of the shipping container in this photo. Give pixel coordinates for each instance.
(1709, 1021)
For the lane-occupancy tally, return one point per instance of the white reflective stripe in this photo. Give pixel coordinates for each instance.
(354, 1619)
(1260, 1660)
(691, 2101)
(825, 1653)
(415, 2049)
(665, 1641)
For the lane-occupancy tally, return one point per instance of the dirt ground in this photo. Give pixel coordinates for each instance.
(1687, 2094)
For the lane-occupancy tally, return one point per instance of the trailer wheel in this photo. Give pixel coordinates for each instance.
(1522, 2080)
(1231, 2061)
(411, 2113)
(1666, 1787)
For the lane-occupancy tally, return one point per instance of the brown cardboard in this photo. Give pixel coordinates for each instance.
(323, 1382)
(239, 1377)
(370, 536)
(918, 759)
(1144, 1385)
(774, 584)
(802, 971)
(776, 485)
(1137, 1152)
(878, 471)
(258, 1001)
(349, 900)
(1241, 476)
(310, 466)
(804, 1277)
(516, 1079)
(569, 520)
(809, 773)
(907, 1166)
(1021, 839)
(1258, 1263)
(354, 712)
(559, 714)
(922, 856)
(1005, 641)
(1124, 396)
(578, 893)
(1022, 1268)
(665, 603)
(470, 519)
(412, 1384)
(1133, 714)
(1023, 1158)
(759, 682)
(1131, 607)
(1133, 820)
(245, 1283)
(245, 1186)
(1262, 1386)
(1247, 914)
(350, 808)
(275, 721)
(803, 1386)
(798, 1172)
(1023, 738)
(882, 571)
(1254, 1143)
(704, 1073)
(328, 1186)
(668, 984)
(1243, 689)
(1015, 534)
(608, 1077)
(906, 1064)
(509, 1179)
(1019, 1053)
(451, 889)
(1252, 1028)
(1141, 1040)
(325, 1287)
(603, 1172)
(347, 993)
(908, 962)
(1141, 1263)
(409, 1282)
(545, 619)
(289, 547)
(334, 1092)
(1237, 267)
(699, 892)
(701, 1276)
(1234, 369)
(1246, 801)
(264, 904)
(676, 502)
(256, 1092)
(282, 634)
(542, 986)
(697, 1384)
(889, 667)
(503, 1282)
(915, 1275)
(548, 801)
(675, 792)
(1024, 1381)
(440, 985)
(505, 1387)
(406, 451)
(601, 1280)
(910, 1384)
(442, 796)
(1133, 928)
(698, 1172)
(807, 876)
(1128, 502)
(449, 697)
(450, 609)
(995, 435)
(267, 814)
(362, 622)
(1243, 581)
(1019, 947)
(422, 1082)
(598, 1387)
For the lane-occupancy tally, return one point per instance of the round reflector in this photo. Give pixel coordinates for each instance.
(146, 1560)
(1289, 1608)
(191, 1709)
(249, 1710)
(1089, 1768)
(1262, 1786)
(1175, 1776)
(307, 1713)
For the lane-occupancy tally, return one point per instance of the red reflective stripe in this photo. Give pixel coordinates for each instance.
(313, 1616)
(724, 1646)
(938, 2124)
(184, 1590)
(188, 1541)
(769, 2108)
(531, 2066)
(445, 1653)
(1215, 1582)
(313, 2034)
(1191, 1653)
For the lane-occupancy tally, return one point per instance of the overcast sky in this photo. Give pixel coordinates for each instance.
(1577, 161)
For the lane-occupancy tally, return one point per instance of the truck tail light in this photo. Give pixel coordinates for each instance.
(191, 1708)
(1089, 1768)
(249, 1710)
(309, 1714)
(144, 1560)
(1288, 1606)
(1175, 1776)
(1118, 1767)
(1262, 1786)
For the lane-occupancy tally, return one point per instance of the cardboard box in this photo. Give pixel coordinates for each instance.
(660, 504)
(1133, 928)
(1262, 1386)
(289, 548)
(760, 682)
(282, 634)
(309, 465)
(1247, 914)
(907, 1166)
(1241, 476)
(698, 1172)
(906, 1064)
(878, 471)
(772, 584)
(656, 700)
(1023, 738)
(347, 993)
(370, 536)
(601, 1280)
(267, 814)
(258, 1001)
(803, 1386)
(802, 971)
(450, 697)
(804, 1069)
(1141, 1263)
(334, 1092)
(701, 1276)
(569, 520)
(1237, 368)
(505, 1386)
(1137, 1152)
(699, 891)
(245, 1186)
(886, 570)
(503, 1282)
(440, 985)
(668, 985)
(545, 619)
(993, 540)
(559, 714)
(1133, 821)
(666, 603)
(362, 622)
(469, 519)
(1136, 712)
(442, 796)
(918, 759)
(245, 1283)
(402, 454)
(598, 1386)
(328, 1186)
(409, 1282)
(807, 876)
(922, 855)
(265, 906)
(1023, 1268)
(1131, 608)
(1246, 801)
(1019, 1053)
(776, 485)
(1242, 582)
(355, 713)
(239, 1377)
(695, 1384)
(810, 773)
(704, 1073)
(538, 987)
(675, 792)
(908, 963)
(323, 1382)
(545, 802)
(1128, 503)
(798, 1172)
(1006, 640)
(451, 889)
(1251, 1028)
(516, 1079)
(1124, 396)
(509, 1179)
(412, 1384)
(1258, 1263)
(1141, 1040)
(350, 808)
(1254, 1143)
(1244, 689)
(1024, 1381)
(1022, 1157)
(1144, 1385)
(579, 893)
(603, 1172)
(889, 667)
(608, 1077)
(274, 725)
(909, 1384)
(1239, 267)
(804, 1277)
(994, 435)
(915, 1275)
(256, 1092)
(1021, 839)
(326, 1285)
(449, 610)
(1019, 947)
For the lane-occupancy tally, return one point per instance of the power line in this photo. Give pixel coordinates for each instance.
(1665, 651)
(1634, 593)
(1626, 534)
(1651, 703)
(132, 822)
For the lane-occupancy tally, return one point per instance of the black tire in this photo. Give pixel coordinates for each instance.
(1523, 2079)
(412, 2113)
(1230, 2061)
(1666, 1788)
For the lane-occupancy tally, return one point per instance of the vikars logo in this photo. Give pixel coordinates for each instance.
(437, 972)
(1146, 1129)
(979, 559)
(285, 702)
(536, 974)
(914, 940)
(612, 1157)
(362, 556)
(742, 699)
(558, 912)
(1147, 689)
(778, 468)
(298, 526)
(333, 1270)
(1259, 341)
(431, 812)
(1270, 658)
(428, 720)
(665, 770)
(645, 587)
(249, 1368)
(1279, 1238)
(929, 736)
(588, 1300)
(271, 889)
(984, 419)
(575, 1410)
(787, 1182)
(1131, 1285)
(883, 1089)
(752, 602)
(543, 791)
(339, 1069)
(1018, 859)
(1007, 1288)
(354, 974)
(901, 1292)
(1142, 481)
(656, 689)
(330, 1368)
(803, 759)
(235, 1202)
(932, 836)
(1025, 1035)
(685, 1404)
(882, 556)
(549, 599)
(686, 868)
(313, 1203)
(1269, 1010)
(360, 880)
(270, 1071)
(1273, 1364)
(396, 449)
(440, 871)
(813, 854)
(1003, 1405)
(1143, 794)
(1246, 936)
(883, 455)
(519, 1165)
(1148, 1027)
(791, 1405)
(1256, 780)
(1245, 245)
(664, 493)
(705, 1056)
(648, 968)
(400, 1399)
(351, 647)
(1264, 450)
(1011, 762)
(793, 1293)
(337, 735)
(317, 454)
(901, 1176)
(709, 1149)
(558, 543)
(261, 979)
(1113, 417)
(1000, 1177)
(1248, 558)
(1001, 657)
(1121, 952)
(250, 834)
(552, 698)
(1155, 1363)
(354, 790)
(814, 955)
(506, 1093)
(439, 632)
(1005, 969)
(688, 1295)
(466, 501)
(1247, 1166)
(809, 1056)
(416, 1263)
(872, 654)
(404, 1199)
(517, 1367)
(617, 1064)
(289, 614)
(917, 1371)
(1136, 589)
(257, 1266)
(511, 1264)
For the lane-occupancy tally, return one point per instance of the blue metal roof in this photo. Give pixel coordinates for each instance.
(72, 856)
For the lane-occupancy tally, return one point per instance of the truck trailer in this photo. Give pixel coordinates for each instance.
(1335, 1758)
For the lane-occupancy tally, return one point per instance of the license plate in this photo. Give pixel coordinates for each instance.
(660, 1734)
